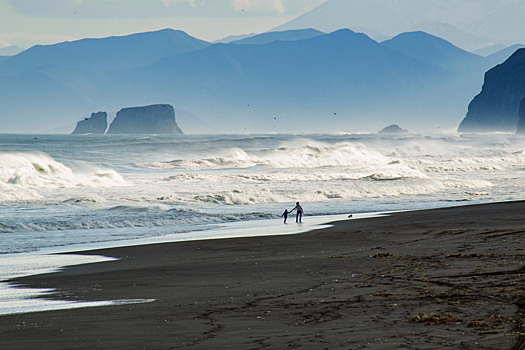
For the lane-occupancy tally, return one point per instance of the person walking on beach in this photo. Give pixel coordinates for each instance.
(285, 215)
(299, 214)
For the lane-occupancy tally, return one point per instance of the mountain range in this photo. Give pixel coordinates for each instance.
(105, 53)
(469, 24)
(290, 81)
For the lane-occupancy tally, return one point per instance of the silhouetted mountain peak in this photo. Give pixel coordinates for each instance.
(115, 52)
(431, 49)
(347, 37)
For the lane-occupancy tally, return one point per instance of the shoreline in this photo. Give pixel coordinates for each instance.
(448, 277)
(225, 230)
(50, 260)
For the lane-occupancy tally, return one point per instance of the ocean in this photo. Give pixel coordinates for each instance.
(62, 192)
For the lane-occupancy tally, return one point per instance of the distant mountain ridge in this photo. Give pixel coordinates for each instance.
(10, 50)
(302, 80)
(230, 38)
(325, 82)
(63, 80)
(502, 55)
(432, 49)
(289, 35)
(105, 53)
(470, 24)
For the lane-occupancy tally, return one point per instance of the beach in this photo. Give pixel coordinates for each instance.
(442, 278)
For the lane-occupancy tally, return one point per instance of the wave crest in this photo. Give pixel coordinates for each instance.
(24, 174)
(291, 154)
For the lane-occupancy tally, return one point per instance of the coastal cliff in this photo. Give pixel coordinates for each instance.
(153, 119)
(96, 124)
(496, 108)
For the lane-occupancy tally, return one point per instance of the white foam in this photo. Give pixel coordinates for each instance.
(12, 266)
(297, 153)
(318, 171)
(23, 175)
(27, 301)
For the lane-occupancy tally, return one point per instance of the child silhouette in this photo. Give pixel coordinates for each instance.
(285, 215)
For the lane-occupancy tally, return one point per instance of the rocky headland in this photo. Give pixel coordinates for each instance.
(496, 108)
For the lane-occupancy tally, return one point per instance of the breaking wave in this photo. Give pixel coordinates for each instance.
(120, 217)
(23, 175)
(301, 153)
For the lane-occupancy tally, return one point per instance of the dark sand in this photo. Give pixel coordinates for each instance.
(437, 279)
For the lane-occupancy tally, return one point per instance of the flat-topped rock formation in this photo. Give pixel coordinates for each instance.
(96, 124)
(153, 119)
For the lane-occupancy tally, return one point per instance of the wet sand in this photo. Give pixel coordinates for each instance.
(445, 278)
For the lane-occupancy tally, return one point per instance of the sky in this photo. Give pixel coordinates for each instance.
(26, 23)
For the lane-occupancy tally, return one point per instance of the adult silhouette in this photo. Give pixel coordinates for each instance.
(299, 214)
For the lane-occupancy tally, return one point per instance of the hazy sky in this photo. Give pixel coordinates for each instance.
(29, 22)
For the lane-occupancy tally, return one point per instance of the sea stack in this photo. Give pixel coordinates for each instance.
(96, 124)
(153, 119)
(521, 120)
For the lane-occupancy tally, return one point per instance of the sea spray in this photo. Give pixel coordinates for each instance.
(25, 175)
(302, 153)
